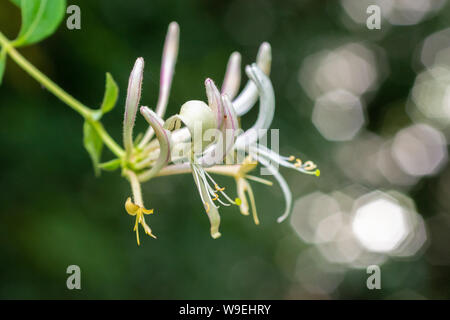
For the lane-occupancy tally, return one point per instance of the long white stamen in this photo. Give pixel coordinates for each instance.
(209, 189)
(197, 182)
(271, 155)
(220, 190)
(283, 184)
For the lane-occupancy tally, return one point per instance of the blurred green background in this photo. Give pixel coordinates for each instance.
(55, 212)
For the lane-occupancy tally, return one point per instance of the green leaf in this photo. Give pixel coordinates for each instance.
(110, 165)
(93, 144)
(40, 18)
(2, 63)
(111, 94)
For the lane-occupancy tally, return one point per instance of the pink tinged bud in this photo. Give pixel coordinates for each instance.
(264, 58)
(169, 59)
(230, 125)
(232, 80)
(214, 100)
(248, 96)
(132, 103)
(217, 152)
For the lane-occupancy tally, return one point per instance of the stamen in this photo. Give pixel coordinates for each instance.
(221, 190)
(309, 165)
(216, 196)
(260, 180)
(291, 158)
(206, 207)
(218, 188)
(197, 180)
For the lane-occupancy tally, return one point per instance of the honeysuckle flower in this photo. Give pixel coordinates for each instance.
(203, 138)
(132, 101)
(198, 117)
(137, 208)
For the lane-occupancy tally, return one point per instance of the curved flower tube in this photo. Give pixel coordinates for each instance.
(247, 98)
(266, 107)
(131, 104)
(169, 59)
(164, 139)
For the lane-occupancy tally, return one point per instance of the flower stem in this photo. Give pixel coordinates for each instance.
(84, 111)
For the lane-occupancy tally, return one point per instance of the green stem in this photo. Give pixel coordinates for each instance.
(84, 111)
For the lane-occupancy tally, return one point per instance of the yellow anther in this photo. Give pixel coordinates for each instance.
(318, 172)
(148, 231)
(298, 163)
(207, 207)
(218, 188)
(238, 201)
(291, 158)
(309, 165)
(216, 196)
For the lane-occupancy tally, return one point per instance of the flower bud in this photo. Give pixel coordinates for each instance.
(132, 103)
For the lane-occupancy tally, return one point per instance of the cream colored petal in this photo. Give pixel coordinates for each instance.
(130, 207)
